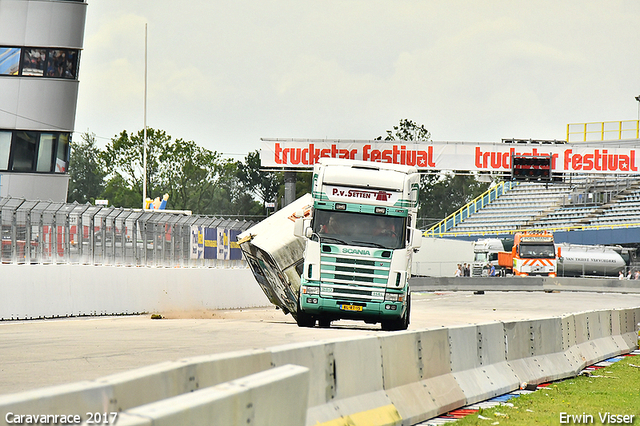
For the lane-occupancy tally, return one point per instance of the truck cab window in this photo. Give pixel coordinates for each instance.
(360, 229)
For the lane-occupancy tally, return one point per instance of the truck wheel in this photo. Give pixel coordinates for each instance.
(303, 319)
(324, 323)
(401, 323)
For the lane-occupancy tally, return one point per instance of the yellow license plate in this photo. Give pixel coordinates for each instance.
(351, 308)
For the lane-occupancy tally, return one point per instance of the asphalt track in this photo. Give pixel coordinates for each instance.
(50, 352)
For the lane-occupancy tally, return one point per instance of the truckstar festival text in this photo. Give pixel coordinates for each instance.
(574, 157)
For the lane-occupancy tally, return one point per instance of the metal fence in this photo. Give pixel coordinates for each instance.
(46, 232)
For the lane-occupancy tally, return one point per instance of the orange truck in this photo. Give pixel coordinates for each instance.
(533, 254)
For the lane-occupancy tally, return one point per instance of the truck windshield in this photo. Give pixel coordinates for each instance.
(359, 229)
(538, 251)
(481, 257)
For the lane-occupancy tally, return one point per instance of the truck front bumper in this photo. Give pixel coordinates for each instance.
(329, 308)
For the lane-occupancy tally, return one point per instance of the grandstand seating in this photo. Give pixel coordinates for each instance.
(581, 200)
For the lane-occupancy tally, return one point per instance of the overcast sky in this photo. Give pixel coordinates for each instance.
(226, 73)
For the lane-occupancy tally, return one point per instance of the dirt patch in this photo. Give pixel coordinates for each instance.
(216, 314)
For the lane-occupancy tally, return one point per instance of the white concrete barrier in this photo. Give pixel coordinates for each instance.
(479, 363)
(141, 386)
(385, 379)
(258, 400)
(435, 389)
(51, 291)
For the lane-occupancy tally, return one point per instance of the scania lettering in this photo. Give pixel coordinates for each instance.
(360, 239)
(347, 250)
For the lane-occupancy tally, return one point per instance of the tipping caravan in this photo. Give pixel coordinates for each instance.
(275, 254)
(348, 254)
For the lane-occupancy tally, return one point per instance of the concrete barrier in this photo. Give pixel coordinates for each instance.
(384, 379)
(479, 363)
(52, 291)
(252, 400)
(607, 285)
(141, 386)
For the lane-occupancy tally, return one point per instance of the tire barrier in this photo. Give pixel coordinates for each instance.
(399, 378)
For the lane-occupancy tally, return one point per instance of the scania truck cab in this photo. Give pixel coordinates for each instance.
(360, 238)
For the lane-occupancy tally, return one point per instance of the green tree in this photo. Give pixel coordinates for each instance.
(264, 185)
(440, 193)
(123, 157)
(120, 194)
(86, 170)
(190, 174)
(230, 197)
(407, 130)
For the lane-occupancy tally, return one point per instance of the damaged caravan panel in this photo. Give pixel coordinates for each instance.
(276, 256)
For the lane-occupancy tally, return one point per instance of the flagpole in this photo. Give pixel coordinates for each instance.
(144, 154)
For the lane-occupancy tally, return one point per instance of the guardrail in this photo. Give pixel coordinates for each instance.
(392, 378)
(603, 130)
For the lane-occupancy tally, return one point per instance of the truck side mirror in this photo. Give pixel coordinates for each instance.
(308, 232)
(416, 238)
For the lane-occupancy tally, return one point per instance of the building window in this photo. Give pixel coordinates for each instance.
(61, 63)
(62, 156)
(45, 152)
(34, 62)
(9, 60)
(5, 149)
(26, 151)
(23, 151)
(39, 62)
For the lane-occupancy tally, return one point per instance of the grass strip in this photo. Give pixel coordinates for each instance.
(610, 395)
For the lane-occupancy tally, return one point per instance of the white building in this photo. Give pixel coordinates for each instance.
(40, 45)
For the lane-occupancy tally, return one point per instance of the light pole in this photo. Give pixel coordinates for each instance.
(638, 122)
(144, 153)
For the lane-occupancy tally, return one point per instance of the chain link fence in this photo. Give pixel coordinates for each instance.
(46, 232)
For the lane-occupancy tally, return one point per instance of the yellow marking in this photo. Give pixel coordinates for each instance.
(381, 416)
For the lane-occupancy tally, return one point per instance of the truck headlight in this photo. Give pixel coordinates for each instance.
(393, 297)
(310, 290)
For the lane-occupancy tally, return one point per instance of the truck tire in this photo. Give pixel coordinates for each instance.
(303, 319)
(401, 323)
(324, 323)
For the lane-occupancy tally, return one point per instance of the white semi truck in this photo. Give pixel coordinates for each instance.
(358, 237)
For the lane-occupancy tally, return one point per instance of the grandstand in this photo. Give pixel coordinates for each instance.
(574, 207)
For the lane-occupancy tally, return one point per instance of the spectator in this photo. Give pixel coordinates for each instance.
(621, 275)
(492, 270)
(458, 272)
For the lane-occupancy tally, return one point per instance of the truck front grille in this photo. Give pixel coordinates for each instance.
(363, 279)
